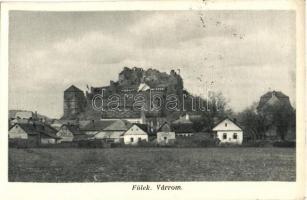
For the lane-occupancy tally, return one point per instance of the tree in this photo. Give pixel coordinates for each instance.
(216, 109)
(278, 116)
(252, 123)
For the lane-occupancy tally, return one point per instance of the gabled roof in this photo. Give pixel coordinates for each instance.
(73, 88)
(118, 125)
(34, 129)
(72, 128)
(164, 127)
(110, 134)
(235, 127)
(97, 125)
(144, 127)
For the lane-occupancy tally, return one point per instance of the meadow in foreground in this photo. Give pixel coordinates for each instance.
(151, 164)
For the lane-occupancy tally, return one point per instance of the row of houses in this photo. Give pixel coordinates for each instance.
(118, 131)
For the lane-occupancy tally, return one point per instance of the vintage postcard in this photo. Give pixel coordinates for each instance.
(162, 100)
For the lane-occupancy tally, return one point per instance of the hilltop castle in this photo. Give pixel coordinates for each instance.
(134, 82)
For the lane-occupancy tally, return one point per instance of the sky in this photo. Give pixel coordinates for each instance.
(242, 54)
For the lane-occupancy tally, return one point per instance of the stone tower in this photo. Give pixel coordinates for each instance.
(74, 102)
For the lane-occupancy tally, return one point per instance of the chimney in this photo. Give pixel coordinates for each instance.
(187, 116)
(235, 120)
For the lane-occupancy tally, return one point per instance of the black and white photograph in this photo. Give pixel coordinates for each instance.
(139, 96)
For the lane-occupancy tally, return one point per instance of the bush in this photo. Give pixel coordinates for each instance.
(22, 143)
(229, 145)
(144, 143)
(196, 142)
(92, 144)
(59, 145)
(114, 145)
(289, 144)
(258, 143)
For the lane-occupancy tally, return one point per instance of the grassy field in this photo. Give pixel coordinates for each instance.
(152, 164)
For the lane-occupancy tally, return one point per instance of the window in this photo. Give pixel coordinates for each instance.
(139, 139)
(131, 139)
(225, 124)
(224, 136)
(165, 138)
(235, 136)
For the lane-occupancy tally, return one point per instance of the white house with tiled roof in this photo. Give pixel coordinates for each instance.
(135, 134)
(228, 131)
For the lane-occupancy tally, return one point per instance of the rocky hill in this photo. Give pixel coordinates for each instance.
(154, 78)
(129, 82)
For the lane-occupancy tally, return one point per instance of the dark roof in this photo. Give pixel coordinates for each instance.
(144, 127)
(72, 128)
(183, 128)
(164, 126)
(73, 88)
(284, 99)
(34, 129)
(97, 125)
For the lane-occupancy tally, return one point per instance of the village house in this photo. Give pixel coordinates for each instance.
(68, 133)
(113, 132)
(135, 134)
(228, 131)
(34, 133)
(183, 126)
(94, 127)
(165, 135)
